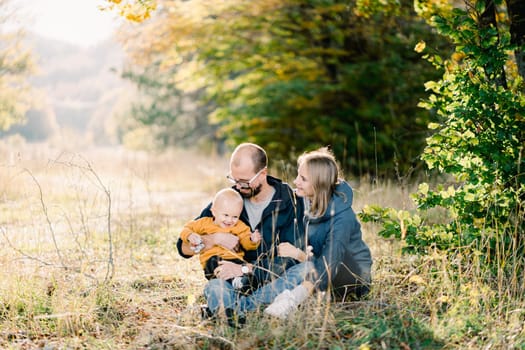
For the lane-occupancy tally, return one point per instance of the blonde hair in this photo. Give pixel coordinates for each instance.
(227, 196)
(323, 174)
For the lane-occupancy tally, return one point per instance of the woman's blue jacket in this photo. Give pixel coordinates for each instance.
(341, 257)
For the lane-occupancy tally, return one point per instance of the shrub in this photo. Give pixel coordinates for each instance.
(479, 141)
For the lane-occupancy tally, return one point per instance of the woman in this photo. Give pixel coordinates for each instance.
(341, 260)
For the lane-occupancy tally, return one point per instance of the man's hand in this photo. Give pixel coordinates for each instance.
(226, 240)
(227, 270)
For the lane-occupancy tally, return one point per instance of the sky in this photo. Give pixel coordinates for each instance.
(75, 21)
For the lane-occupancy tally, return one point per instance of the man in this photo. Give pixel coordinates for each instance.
(270, 206)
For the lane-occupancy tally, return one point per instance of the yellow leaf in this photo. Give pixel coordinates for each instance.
(469, 197)
(423, 188)
(443, 299)
(190, 300)
(420, 46)
(416, 279)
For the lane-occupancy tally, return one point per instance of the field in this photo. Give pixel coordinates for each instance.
(88, 262)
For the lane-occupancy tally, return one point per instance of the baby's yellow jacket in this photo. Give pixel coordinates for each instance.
(206, 226)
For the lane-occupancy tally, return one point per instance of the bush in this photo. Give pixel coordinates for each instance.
(479, 141)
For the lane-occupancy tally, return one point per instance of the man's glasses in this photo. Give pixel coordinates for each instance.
(244, 184)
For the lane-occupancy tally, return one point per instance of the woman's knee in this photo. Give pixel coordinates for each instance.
(303, 269)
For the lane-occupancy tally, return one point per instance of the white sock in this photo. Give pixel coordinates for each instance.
(237, 282)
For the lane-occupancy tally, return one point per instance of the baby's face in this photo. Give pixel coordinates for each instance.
(227, 214)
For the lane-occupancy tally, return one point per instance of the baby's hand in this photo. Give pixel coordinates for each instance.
(255, 236)
(196, 243)
(309, 252)
(194, 239)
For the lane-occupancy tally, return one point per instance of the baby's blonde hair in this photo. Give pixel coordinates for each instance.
(227, 196)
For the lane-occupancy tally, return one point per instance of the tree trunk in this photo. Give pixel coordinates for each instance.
(516, 9)
(488, 19)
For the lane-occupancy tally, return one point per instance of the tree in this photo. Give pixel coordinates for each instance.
(516, 10)
(15, 67)
(132, 10)
(479, 140)
(292, 75)
(40, 125)
(161, 53)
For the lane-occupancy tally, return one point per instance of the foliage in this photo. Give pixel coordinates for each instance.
(132, 10)
(170, 105)
(387, 327)
(318, 73)
(174, 116)
(479, 140)
(292, 75)
(15, 66)
(40, 124)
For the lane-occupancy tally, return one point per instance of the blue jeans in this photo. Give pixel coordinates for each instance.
(220, 293)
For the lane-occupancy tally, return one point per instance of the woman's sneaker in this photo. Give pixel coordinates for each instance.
(282, 305)
(287, 302)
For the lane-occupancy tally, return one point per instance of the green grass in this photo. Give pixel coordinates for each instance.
(56, 292)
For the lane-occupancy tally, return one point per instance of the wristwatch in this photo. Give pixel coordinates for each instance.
(245, 269)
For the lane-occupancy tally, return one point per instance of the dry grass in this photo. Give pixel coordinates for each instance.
(69, 278)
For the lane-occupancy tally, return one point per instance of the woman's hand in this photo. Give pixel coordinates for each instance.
(288, 250)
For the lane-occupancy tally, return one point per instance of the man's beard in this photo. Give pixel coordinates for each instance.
(253, 192)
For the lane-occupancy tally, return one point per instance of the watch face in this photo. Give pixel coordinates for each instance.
(245, 269)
